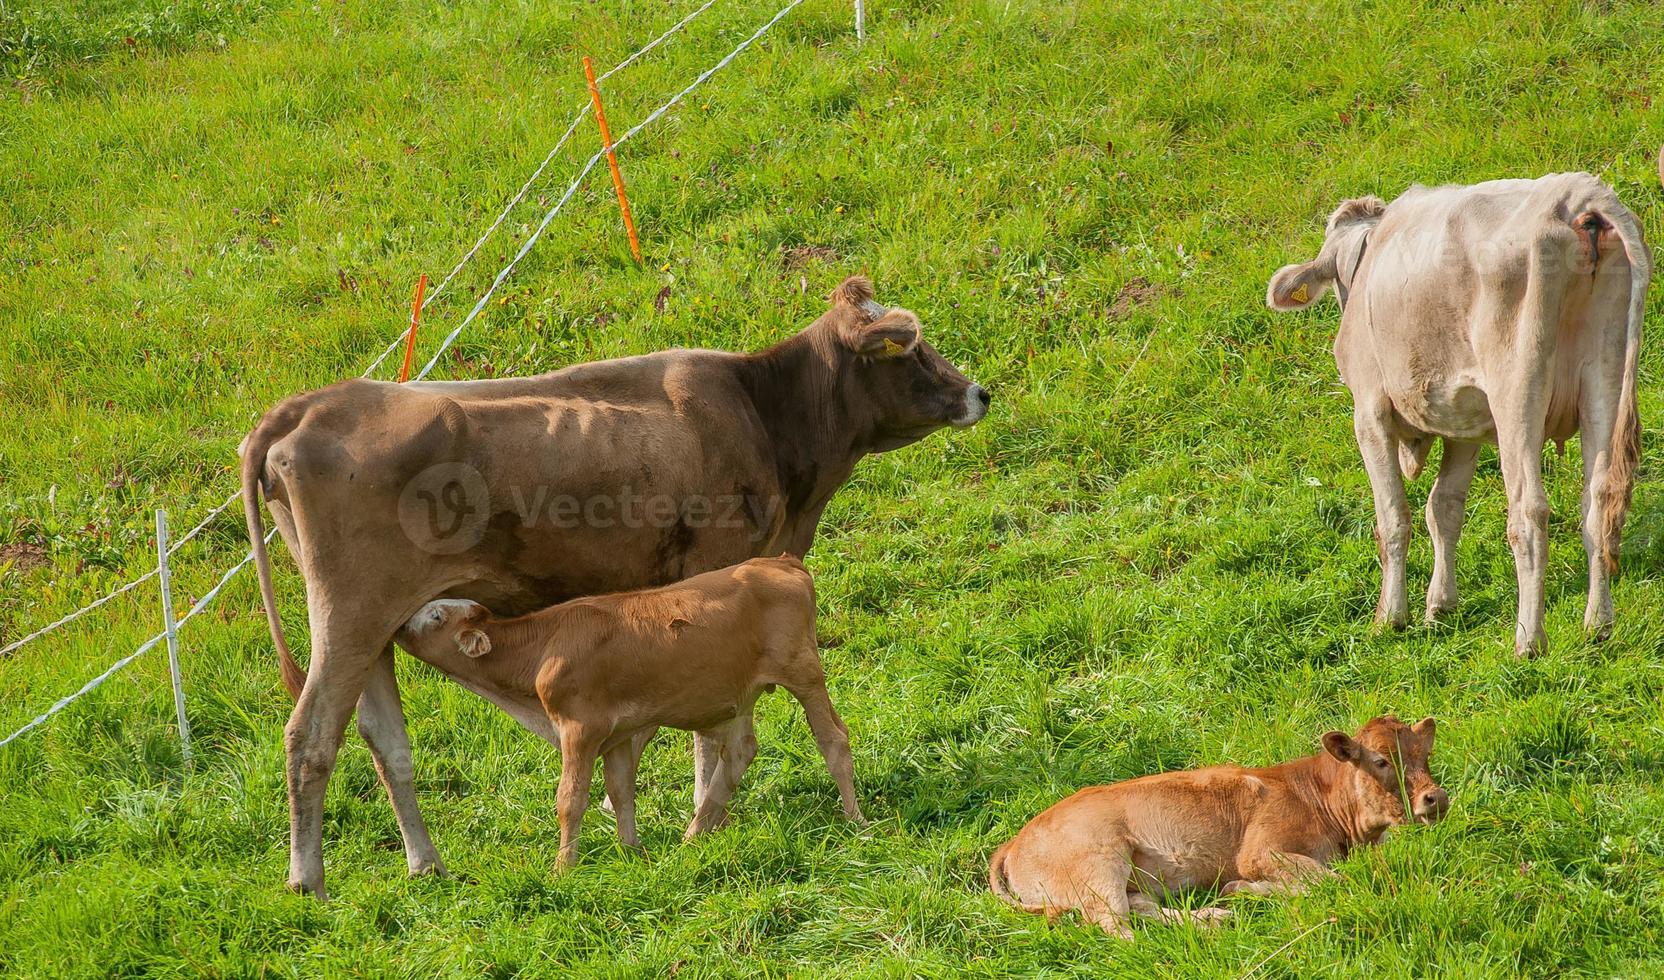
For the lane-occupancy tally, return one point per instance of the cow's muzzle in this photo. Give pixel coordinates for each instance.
(1431, 805)
(977, 399)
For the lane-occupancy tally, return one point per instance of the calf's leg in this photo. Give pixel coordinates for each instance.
(381, 722)
(578, 750)
(1278, 873)
(1146, 906)
(831, 735)
(705, 754)
(618, 768)
(736, 746)
(1445, 506)
(1372, 423)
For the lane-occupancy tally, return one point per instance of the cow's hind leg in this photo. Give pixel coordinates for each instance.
(1520, 444)
(344, 651)
(381, 722)
(1595, 424)
(1445, 507)
(1100, 891)
(1372, 422)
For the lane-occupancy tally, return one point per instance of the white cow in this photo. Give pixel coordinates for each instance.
(1506, 312)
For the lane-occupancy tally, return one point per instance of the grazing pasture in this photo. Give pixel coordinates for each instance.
(1154, 553)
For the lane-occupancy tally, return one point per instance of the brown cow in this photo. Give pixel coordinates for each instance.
(521, 492)
(1505, 312)
(609, 670)
(1110, 850)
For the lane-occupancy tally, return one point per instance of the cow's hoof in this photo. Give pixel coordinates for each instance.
(429, 869)
(1597, 628)
(1436, 612)
(1528, 649)
(314, 891)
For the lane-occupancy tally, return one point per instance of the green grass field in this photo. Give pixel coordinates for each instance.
(1155, 553)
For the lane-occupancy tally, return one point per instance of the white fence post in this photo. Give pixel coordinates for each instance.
(170, 628)
(860, 21)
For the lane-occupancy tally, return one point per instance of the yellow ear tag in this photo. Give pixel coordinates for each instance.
(891, 348)
(1300, 295)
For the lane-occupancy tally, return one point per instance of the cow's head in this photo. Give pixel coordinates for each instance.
(1295, 287)
(1387, 781)
(447, 626)
(898, 385)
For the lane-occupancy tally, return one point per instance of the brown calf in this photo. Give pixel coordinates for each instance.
(610, 670)
(1108, 850)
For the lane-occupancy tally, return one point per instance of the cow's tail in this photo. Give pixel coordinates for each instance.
(1626, 433)
(278, 423)
(1000, 884)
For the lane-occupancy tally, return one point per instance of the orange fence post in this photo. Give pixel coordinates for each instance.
(612, 160)
(415, 318)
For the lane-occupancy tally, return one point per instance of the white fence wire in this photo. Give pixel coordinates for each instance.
(520, 195)
(451, 338)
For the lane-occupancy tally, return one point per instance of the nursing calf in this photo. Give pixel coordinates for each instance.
(1110, 850)
(1506, 312)
(610, 670)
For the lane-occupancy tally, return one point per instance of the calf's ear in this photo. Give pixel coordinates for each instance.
(891, 335)
(1425, 728)
(1295, 287)
(473, 643)
(1341, 746)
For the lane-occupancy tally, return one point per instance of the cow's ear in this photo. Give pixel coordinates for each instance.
(473, 643)
(1425, 728)
(855, 291)
(891, 335)
(1341, 746)
(1296, 287)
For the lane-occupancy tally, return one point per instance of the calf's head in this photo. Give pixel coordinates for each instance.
(446, 626)
(1295, 287)
(898, 387)
(1388, 782)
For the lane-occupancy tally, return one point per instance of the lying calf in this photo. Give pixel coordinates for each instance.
(1108, 850)
(610, 669)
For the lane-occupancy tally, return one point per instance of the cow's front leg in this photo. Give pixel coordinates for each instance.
(1278, 873)
(1445, 512)
(1372, 422)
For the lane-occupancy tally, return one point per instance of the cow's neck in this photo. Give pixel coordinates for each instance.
(814, 439)
(518, 649)
(1332, 804)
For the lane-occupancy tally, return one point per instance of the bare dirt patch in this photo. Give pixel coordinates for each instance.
(798, 256)
(23, 556)
(1137, 292)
